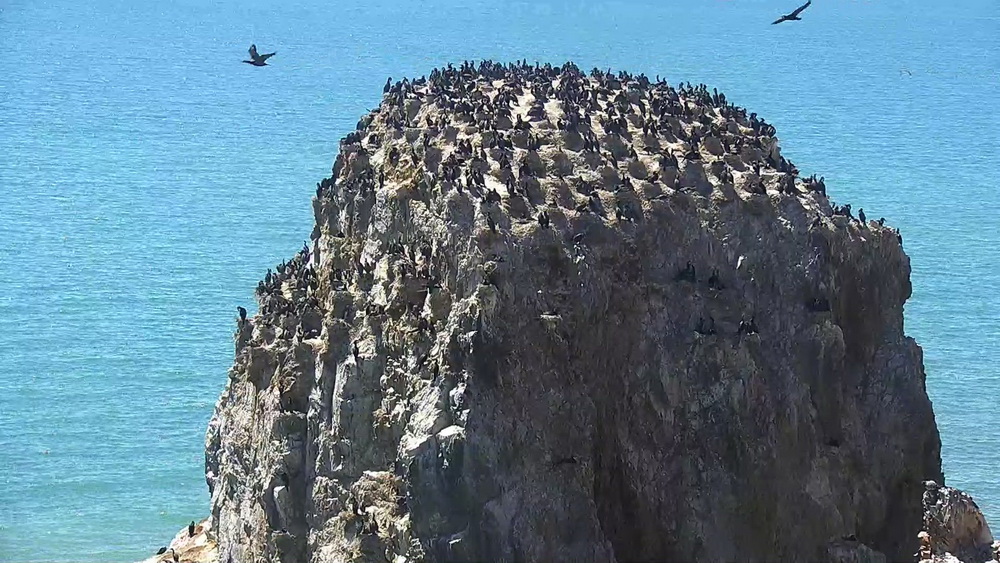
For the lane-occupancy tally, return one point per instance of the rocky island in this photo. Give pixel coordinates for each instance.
(552, 315)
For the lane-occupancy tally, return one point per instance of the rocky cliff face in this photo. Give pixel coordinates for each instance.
(549, 316)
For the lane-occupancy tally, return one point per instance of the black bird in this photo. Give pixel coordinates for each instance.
(861, 217)
(161, 551)
(174, 554)
(388, 85)
(257, 59)
(794, 16)
(191, 529)
(748, 327)
(243, 314)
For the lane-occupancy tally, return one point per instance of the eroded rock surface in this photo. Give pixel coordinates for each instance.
(954, 529)
(549, 316)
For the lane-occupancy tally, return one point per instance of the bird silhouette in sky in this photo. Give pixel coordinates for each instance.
(794, 16)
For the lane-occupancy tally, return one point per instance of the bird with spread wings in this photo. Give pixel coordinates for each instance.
(257, 59)
(794, 16)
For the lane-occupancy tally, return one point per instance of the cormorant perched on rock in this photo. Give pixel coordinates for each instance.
(257, 59)
(243, 314)
(748, 327)
(388, 85)
(861, 216)
(191, 529)
(692, 152)
(543, 220)
(594, 204)
(161, 551)
(174, 554)
(794, 16)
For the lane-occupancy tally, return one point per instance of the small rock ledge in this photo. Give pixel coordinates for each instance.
(199, 547)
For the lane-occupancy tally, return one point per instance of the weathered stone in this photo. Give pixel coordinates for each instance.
(198, 548)
(554, 384)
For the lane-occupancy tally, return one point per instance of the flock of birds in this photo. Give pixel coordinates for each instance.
(257, 59)
(614, 124)
(454, 89)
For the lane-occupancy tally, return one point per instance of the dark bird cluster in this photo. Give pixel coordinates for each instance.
(290, 290)
(499, 137)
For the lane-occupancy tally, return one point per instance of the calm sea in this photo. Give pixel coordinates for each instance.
(148, 179)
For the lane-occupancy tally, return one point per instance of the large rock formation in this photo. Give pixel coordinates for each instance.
(549, 316)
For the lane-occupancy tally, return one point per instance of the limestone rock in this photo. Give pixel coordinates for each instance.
(549, 316)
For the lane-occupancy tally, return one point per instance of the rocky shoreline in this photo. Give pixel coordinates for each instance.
(954, 531)
(550, 315)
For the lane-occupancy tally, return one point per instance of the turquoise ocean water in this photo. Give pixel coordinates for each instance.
(148, 179)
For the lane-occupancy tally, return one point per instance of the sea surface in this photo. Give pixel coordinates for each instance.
(148, 179)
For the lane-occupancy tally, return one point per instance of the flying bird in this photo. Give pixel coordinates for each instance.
(792, 16)
(257, 59)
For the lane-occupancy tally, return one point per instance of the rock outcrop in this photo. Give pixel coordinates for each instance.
(187, 547)
(550, 316)
(954, 530)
